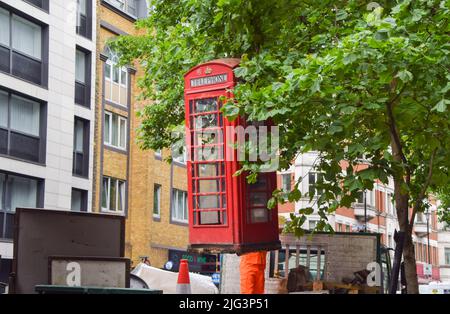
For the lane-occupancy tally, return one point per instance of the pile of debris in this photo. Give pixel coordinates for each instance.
(300, 281)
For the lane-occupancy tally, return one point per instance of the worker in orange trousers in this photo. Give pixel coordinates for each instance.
(252, 268)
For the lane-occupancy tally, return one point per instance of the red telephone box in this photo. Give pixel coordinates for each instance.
(226, 214)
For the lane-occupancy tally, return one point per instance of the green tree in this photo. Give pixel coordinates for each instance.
(344, 78)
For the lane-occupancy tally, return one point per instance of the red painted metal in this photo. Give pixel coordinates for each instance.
(218, 202)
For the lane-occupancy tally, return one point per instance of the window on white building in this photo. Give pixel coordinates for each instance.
(81, 148)
(20, 127)
(390, 241)
(115, 129)
(420, 217)
(15, 191)
(113, 195)
(389, 203)
(315, 178)
(82, 78)
(179, 206)
(79, 200)
(26, 37)
(84, 18)
(21, 47)
(447, 255)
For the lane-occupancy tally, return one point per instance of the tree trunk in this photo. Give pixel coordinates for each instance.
(409, 259)
(410, 265)
(402, 207)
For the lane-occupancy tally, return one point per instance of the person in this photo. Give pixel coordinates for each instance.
(252, 267)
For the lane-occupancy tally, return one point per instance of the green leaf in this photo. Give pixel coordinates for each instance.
(335, 129)
(272, 203)
(294, 196)
(231, 111)
(405, 76)
(341, 15)
(441, 106)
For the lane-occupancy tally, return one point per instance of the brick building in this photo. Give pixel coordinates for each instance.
(141, 185)
(380, 215)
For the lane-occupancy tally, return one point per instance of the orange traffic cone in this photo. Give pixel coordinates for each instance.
(184, 284)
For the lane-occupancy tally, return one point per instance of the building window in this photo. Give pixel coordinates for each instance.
(113, 195)
(116, 80)
(21, 47)
(82, 78)
(157, 201)
(15, 191)
(390, 241)
(389, 202)
(84, 18)
(43, 4)
(79, 200)
(315, 179)
(20, 127)
(347, 228)
(127, 6)
(420, 217)
(115, 130)
(179, 206)
(286, 185)
(179, 154)
(81, 148)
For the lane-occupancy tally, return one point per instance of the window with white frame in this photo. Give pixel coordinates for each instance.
(157, 201)
(447, 255)
(179, 154)
(116, 80)
(286, 184)
(314, 179)
(368, 195)
(370, 199)
(115, 129)
(179, 206)
(113, 195)
(128, 6)
(389, 202)
(420, 217)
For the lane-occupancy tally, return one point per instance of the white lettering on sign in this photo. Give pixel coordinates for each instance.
(209, 80)
(374, 277)
(74, 277)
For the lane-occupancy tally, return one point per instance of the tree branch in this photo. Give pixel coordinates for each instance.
(421, 195)
(394, 133)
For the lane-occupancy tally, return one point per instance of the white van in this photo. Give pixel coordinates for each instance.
(435, 288)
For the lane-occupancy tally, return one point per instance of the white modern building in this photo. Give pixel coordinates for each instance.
(47, 54)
